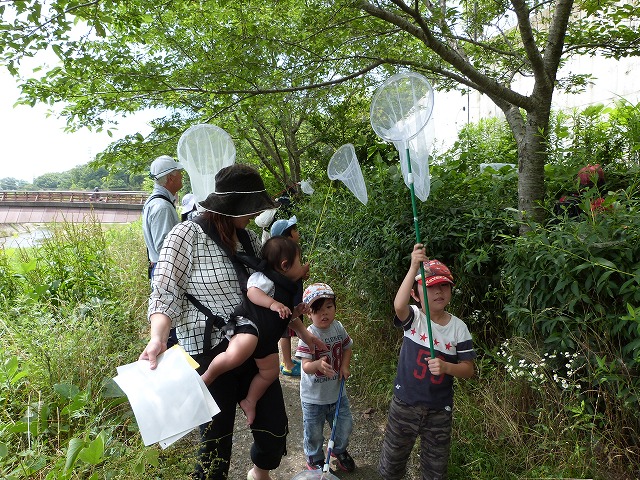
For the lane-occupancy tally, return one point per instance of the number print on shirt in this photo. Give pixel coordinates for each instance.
(423, 362)
(334, 356)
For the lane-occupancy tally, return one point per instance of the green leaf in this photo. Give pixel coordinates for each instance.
(604, 262)
(75, 446)
(110, 389)
(26, 267)
(575, 289)
(139, 467)
(94, 452)
(152, 456)
(58, 51)
(66, 390)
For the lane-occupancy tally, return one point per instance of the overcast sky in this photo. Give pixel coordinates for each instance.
(32, 143)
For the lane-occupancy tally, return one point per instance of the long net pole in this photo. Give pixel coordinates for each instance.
(417, 229)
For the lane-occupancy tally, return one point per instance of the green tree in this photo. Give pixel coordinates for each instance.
(53, 181)
(10, 183)
(201, 61)
(144, 56)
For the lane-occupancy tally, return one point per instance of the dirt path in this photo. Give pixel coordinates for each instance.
(364, 443)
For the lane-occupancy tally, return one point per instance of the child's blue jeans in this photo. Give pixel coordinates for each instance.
(313, 418)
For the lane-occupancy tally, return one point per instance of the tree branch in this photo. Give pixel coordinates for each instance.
(528, 40)
(555, 41)
(483, 83)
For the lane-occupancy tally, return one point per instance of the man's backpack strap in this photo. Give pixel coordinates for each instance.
(159, 195)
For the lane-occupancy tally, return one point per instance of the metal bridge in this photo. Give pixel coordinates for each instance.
(20, 207)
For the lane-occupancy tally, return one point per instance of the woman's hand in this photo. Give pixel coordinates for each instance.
(312, 340)
(300, 309)
(151, 352)
(160, 326)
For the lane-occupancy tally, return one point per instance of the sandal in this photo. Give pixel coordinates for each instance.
(294, 372)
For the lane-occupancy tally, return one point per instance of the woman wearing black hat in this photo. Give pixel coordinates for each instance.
(195, 287)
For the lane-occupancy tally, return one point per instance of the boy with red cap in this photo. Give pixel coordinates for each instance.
(422, 402)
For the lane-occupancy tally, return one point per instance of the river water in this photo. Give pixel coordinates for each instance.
(25, 239)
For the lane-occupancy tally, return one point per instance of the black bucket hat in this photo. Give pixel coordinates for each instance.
(239, 191)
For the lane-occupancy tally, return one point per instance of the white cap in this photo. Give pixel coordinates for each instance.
(188, 202)
(265, 218)
(163, 165)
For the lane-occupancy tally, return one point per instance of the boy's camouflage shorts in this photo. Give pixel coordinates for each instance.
(404, 424)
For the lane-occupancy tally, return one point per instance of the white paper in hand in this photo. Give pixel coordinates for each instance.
(168, 402)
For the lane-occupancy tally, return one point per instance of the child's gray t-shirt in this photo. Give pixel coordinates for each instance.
(317, 388)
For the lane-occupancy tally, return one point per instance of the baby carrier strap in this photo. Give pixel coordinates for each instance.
(285, 288)
(241, 271)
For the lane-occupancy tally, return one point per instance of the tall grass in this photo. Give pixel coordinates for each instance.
(73, 310)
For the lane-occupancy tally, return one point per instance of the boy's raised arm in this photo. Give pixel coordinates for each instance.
(401, 302)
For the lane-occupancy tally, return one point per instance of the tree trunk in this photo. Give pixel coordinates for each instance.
(530, 134)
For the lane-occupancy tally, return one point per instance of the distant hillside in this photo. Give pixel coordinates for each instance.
(78, 178)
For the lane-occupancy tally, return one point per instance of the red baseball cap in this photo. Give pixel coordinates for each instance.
(435, 273)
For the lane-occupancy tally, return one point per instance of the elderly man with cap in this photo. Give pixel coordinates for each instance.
(159, 213)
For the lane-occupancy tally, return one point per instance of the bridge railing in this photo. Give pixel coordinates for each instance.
(58, 196)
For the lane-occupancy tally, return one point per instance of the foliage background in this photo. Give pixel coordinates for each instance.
(83, 177)
(554, 314)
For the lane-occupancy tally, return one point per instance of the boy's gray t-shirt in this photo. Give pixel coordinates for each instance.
(318, 389)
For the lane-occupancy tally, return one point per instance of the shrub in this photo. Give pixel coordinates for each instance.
(572, 289)
(8, 281)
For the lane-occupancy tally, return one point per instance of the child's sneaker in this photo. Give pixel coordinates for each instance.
(317, 465)
(344, 461)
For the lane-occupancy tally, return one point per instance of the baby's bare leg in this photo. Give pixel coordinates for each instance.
(268, 370)
(241, 347)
